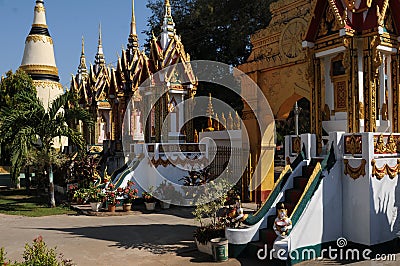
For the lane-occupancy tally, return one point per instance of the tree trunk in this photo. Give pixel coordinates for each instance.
(51, 187)
(27, 180)
(15, 180)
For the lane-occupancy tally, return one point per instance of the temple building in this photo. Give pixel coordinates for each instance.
(38, 59)
(107, 92)
(349, 162)
(353, 67)
(278, 65)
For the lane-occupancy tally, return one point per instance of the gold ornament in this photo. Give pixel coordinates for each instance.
(356, 172)
(353, 144)
(380, 146)
(380, 172)
(39, 38)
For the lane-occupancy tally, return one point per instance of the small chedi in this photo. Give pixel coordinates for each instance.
(282, 222)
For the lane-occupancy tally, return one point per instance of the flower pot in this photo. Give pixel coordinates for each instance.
(150, 206)
(111, 208)
(204, 248)
(165, 204)
(95, 206)
(127, 207)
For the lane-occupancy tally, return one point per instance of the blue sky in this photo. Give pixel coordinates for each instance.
(68, 21)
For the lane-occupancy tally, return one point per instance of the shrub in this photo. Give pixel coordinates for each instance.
(3, 260)
(37, 255)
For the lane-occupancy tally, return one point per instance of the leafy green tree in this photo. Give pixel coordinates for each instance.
(32, 128)
(214, 30)
(11, 85)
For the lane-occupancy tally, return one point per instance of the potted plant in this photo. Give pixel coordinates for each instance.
(129, 194)
(112, 197)
(95, 197)
(80, 195)
(192, 182)
(149, 200)
(207, 209)
(166, 193)
(71, 189)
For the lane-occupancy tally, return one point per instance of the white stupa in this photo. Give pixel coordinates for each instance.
(38, 60)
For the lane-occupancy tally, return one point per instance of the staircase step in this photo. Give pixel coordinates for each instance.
(293, 195)
(304, 169)
(309, 171)
(270, 221)
(290, 207)
(267, 236)
(300, 182)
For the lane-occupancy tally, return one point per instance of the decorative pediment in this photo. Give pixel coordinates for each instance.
(329, 24)
(328, 17)
(388, 23)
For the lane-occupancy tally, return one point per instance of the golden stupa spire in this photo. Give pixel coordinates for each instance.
(100, 55)
(82, 68)
(133, 38)
(210, 114)
(210, 108)
(230, 121)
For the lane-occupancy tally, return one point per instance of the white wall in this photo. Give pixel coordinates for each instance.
(321, 220)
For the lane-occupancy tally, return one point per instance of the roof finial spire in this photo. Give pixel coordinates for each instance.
(100, 55)
(168, 27)
(133, 39)
(100, 37)
(83, 46)
(82, 68)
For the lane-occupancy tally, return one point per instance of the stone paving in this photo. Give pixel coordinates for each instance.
(164, 237)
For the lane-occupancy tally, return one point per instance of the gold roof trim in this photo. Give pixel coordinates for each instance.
(40, 69)
(339, 17)
(39, 38)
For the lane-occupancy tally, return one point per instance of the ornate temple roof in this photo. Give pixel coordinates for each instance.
(356, 16)
(38, 59)
(133, 66)
(168, 49)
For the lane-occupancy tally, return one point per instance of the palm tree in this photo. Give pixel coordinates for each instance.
(32, 128)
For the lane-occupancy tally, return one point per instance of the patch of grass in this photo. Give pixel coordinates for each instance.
(18, 202)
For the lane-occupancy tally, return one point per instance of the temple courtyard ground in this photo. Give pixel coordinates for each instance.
(161, 238)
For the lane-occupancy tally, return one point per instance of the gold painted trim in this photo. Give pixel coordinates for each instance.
(356, 172)
(40, 9)
(338, 16)
(285, 170)
(40, 69)
(40, 25)
(39, 38)
(310, 181)
(45, 84)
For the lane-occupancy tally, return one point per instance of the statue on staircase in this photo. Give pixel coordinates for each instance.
(282, 222)
(236, 214)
